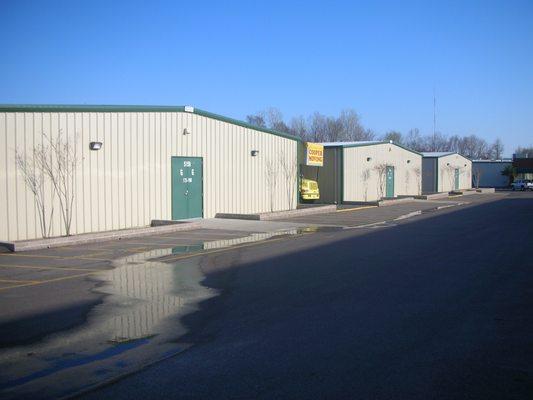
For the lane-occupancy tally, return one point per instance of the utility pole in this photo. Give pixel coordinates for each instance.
(434, 112)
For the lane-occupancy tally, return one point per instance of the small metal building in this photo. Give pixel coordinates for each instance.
(154, 163)
(488, 173)
(445, 172)
(368, 171)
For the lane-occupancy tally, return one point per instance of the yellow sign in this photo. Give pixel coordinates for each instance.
(314, 154)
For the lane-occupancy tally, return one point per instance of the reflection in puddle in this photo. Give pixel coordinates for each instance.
(137, 322)
(130, 328)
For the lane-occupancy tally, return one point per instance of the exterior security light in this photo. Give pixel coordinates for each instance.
(254, 153)
(95, 145)
(408, 161)
(448, 164)
(368, 158)
(186, 132)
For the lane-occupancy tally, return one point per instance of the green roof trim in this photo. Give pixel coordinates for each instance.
(377, 143)
(135, 108)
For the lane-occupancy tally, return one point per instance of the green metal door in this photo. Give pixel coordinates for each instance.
(390, 182)
(187, 194)
(456, 178)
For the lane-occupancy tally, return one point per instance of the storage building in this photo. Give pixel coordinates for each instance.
(136, 164)
(368, 171)
(445, 172)
(488, 173)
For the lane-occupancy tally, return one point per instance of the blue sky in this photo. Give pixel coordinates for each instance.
(235, 58)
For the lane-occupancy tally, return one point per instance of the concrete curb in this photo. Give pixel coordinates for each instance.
(486, 190)
(280, 214)
(26, 245)
(391, 202)
(432, 196)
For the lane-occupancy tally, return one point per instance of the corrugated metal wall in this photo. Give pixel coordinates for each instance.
(429, 175)
(361, 177)
(490, 173)
(128, 182)
(447, 172)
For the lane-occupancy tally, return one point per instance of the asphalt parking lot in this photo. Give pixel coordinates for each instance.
(352, 216)
(46, 292)
(37, 287)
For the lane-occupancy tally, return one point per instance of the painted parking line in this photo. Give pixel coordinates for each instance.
(202, 253)
(83, 257)
(93, 272)
(356, 208)
(47, 268)
(63, 278)
(17, 281)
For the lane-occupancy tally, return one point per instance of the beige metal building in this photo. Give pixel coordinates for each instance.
(368, 171)
(488, 173)
(154, 163)
(445, 172)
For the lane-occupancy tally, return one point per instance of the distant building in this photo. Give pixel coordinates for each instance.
(445, 172)
(368, 171)
(524, 167)
(488, 173)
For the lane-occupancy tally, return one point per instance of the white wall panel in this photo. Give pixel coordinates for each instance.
(407, 175)
(128, 182)
(446, 169)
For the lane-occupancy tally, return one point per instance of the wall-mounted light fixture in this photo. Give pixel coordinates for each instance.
(254, 153)
(448, 164)
(369, 159)
(186, 132)
(465, 165)
(408, 161)
(95, 145)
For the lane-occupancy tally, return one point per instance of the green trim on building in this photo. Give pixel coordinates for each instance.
(377, 143)
(341, 200)
(437, 172)
(135, 108)
(448, 154)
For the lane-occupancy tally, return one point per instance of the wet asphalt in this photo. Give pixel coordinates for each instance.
(428, 305)
(437, 306)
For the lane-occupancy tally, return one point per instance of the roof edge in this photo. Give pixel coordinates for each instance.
(378, 143)
(136, 108)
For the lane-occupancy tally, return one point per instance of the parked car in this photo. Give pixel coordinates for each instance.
(309, 191)
(522, 184)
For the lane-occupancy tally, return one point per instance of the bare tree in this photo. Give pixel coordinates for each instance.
(395, 136)
(60, 167)
(448, 171)
(299, 127)
(381, 170)
(289, 171)
(352, 129)
(524, 152)
(256, 120)
(56, 161)
(476, 176)
(418, 175)
(365, 175)
(36, 180)
(414, 140)
(497, 149)
(271, 180)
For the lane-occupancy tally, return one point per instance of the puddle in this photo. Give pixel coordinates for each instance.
(137, 322)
